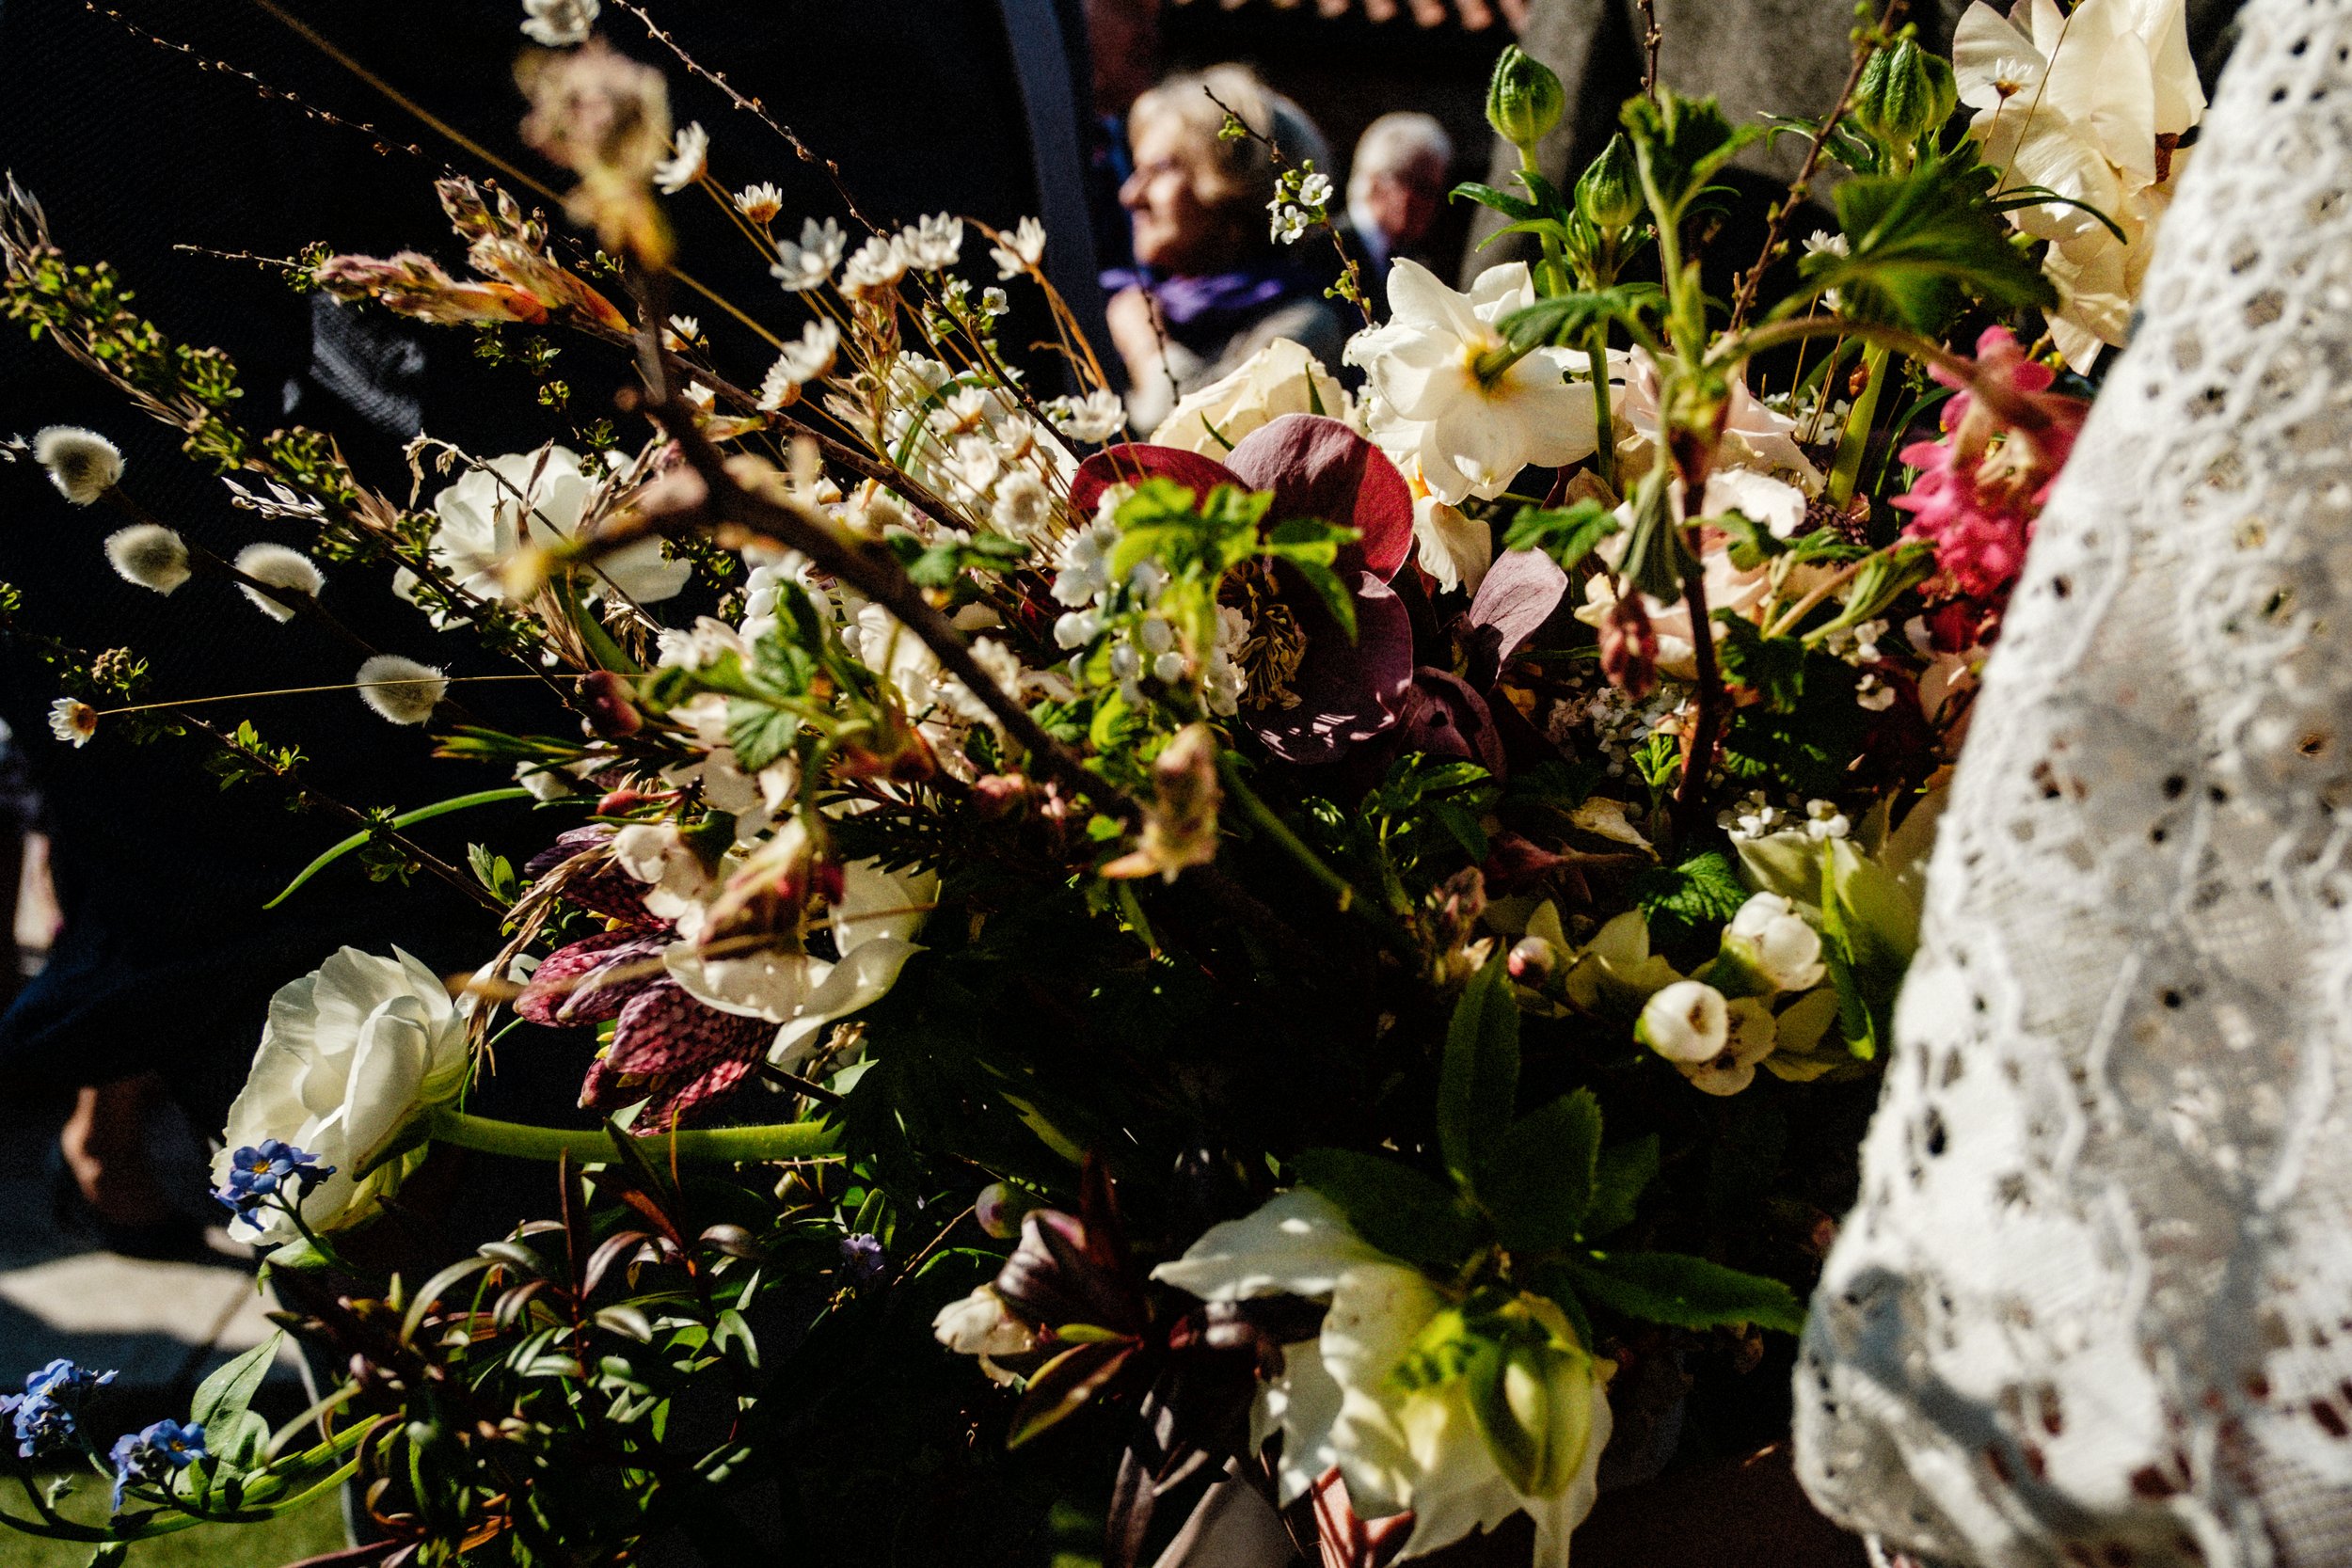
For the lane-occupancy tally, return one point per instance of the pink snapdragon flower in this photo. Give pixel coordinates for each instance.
(2006, 438)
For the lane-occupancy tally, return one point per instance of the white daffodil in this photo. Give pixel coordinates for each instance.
(352, 1054)
(1432, 410)
(1399, 1442)
(487, 514)
(873, 930)
(1280, 378)
(2090, 105)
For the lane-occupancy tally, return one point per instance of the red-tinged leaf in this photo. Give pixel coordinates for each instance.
(1134, 463)
(1319, 467)
(652, 1211)
(616, 1247)
(1065, 1385)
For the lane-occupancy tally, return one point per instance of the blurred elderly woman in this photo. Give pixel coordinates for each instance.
(1211, 287)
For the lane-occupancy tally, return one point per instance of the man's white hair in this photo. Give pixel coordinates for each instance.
(1403, 144)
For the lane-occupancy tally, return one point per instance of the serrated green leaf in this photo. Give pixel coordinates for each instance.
(1479, 1076)
(1566, 318)
(1694, 900)
(1772, 667)
(1752, 542)
(1687, 1292)
(759, 733)
(1681, 143)
(1392, 1206)
(1620, 1174)
(1537, 1184)
(1918, 243)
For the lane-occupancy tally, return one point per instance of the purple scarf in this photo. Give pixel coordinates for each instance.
(1204, 313)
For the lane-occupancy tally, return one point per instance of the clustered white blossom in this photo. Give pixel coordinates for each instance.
(1092, 418)
(808, 263)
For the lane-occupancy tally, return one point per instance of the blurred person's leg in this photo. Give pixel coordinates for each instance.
(105, 1144)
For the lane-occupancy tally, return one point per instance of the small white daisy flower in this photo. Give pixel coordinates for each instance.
(802, 362)
(1020, 251)
(72, 722)
(559, 23)
(1025, 507)
(686, 163)
(809, 263)
(760, 203)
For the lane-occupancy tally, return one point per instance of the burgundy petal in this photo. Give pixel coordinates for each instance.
(603, 887)
(677, 1102)
(1348, 691)
(1521, 592)
(1444, 715)
(570, 985)
(1135, 462)
(1318, 467)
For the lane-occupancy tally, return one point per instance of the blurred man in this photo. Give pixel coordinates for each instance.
(1396, 187)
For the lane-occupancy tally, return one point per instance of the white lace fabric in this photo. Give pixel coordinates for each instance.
(2094, 1307)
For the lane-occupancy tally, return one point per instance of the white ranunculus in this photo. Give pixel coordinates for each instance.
(1781, 947)
(873, 930)
(1337, 1403)
(486, 516)
(351, 1053)
(1426, 407)
(1280, 378)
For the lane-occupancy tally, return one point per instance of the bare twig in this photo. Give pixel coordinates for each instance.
(1776, 222)
(1651, 39)
(1707, 727)
(1348, 265)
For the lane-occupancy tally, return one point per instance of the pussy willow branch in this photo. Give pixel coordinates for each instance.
(870, 570)
(1777, 220)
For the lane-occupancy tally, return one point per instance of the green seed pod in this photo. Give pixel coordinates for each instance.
(1904, 93)
(1524, 100)
(1608, 193)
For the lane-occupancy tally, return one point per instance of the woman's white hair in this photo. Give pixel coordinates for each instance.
(1239, 170)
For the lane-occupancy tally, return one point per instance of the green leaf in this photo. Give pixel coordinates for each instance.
(1502, 202)
(1752, 542)
(1392, 1206)
(1687, 1292)
(1619, 1176)
(236, 1441)
(1566, 318)
(1308, 539)
(1681, 143)
(406, 819)
(759, 732)
(1538, 1184)
(1917, 243)
(1655, 554)
(1772, 667)
(1568, 534)
(1695, 899)
(1064, 1385)
(1480, 1075)
(230, 1389)
(1332, 592)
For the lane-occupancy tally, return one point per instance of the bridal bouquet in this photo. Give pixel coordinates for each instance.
(1315, 976)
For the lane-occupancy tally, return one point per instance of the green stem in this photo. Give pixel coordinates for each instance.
(1270, 823)
(791, 1140)
(1604, 417)
(1555, 272)
(1859, 419)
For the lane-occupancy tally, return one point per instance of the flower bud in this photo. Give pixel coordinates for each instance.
(1533, 960)
(1629, 648)
(1524, 100)
(1687, 1022)
(1904, 93)
(999, 1207)
(149, 555)
(1608, 193)
(1770, 938)
(999, 794)
(605, 699)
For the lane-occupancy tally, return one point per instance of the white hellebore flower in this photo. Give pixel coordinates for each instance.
(352, 1054)
(402, 691)
(1280, 378)
(280, 568)
(82, 464)
(873, 930)
(488, 513)
(559, 23)
(981, 1325)
(150, 556)
(684, 165)
(1780, 946)
(1339, 1402)
(1430, 410)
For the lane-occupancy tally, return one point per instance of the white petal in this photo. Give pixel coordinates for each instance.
(1296, 1243)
